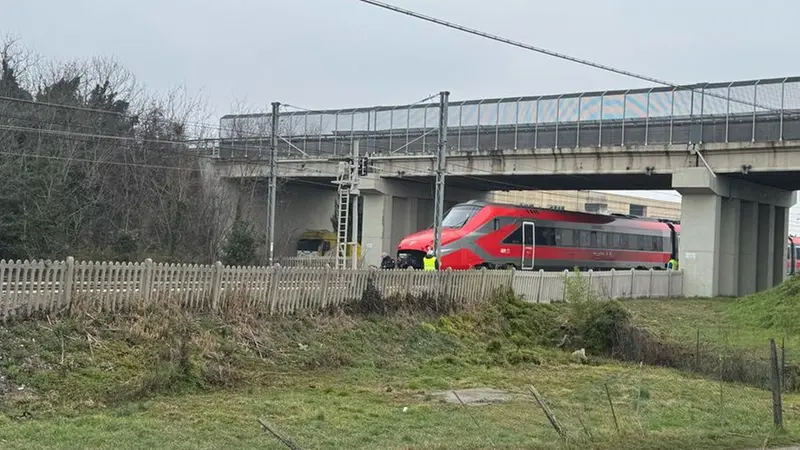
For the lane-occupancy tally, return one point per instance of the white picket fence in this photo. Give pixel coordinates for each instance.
(29, 287)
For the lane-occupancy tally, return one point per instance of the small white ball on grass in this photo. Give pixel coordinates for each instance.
(405, 409)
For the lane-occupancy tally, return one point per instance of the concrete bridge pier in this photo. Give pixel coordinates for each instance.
(733, 233)
(394, 209)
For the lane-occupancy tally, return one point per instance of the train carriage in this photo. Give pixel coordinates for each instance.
(478, 234)
(793, 255)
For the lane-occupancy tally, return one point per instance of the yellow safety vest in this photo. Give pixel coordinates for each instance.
(429, 263)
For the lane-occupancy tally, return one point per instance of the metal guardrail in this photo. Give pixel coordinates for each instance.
(738, 111)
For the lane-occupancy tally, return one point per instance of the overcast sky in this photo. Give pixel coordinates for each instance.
(344, 53)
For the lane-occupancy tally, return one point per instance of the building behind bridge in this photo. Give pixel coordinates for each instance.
(593, 202)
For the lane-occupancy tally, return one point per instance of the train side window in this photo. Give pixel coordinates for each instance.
(602, 239)
(564, 238)
(623, 241)
(496, 224)
(593, 239)
(643, 242)
(514, 238)
(797, 253)
(545, 236)
(585, 239)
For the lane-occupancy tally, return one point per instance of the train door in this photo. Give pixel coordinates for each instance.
(528, 245)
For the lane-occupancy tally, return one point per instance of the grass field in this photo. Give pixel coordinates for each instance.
(163, 379)
(746, 324)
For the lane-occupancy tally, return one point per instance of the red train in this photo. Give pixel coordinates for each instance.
(478, 234)
(793, 255)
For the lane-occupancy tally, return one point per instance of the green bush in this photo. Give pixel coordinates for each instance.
(592, 323)
(240, 247)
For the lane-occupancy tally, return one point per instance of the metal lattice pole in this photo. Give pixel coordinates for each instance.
(441, 154)
(273, 182)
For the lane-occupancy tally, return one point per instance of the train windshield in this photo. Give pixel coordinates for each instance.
(458, 216)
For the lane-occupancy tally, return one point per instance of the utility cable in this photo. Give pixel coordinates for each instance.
(545, 51)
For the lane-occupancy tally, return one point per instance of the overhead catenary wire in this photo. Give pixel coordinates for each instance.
(547, 52)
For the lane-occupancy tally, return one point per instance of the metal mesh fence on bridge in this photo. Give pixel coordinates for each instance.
(741, 111)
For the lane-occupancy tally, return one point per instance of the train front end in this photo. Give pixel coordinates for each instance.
(455, 227)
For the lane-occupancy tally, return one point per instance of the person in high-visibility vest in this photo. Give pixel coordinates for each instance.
(429, 262)
(672, 264)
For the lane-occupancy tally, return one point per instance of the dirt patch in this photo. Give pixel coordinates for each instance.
(474, 396)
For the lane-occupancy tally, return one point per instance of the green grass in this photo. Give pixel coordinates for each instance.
(161, 378)
(746, 323)
(360, 408)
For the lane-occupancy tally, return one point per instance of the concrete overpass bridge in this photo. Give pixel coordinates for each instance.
(747, 131)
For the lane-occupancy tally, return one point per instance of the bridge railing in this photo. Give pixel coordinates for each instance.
(29, 288)
(739, 111)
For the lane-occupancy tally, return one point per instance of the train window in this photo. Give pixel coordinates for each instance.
(585, 239)
(593, 239)
(496, 224)
(602, 239)
(545, 236)
(623, 241)
(797, 253)
(458, 216)
(514, 238)
(644, 243)
(564, 238)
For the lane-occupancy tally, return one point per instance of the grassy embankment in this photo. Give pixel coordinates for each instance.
(161, 378)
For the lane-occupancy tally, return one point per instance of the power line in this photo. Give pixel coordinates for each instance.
(545, 51)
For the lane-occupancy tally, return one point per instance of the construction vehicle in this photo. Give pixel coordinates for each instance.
(319, 243)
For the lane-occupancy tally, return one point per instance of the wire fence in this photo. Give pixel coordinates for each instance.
(738, 111)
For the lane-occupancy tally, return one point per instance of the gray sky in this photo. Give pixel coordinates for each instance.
(343, 53)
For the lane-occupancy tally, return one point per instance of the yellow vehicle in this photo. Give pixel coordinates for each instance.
(319, 243)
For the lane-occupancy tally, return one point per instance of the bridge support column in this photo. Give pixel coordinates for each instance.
(733, 234)
(766, 251)
(377, 227)
(729, 246)
(780, 242)
(748, 248)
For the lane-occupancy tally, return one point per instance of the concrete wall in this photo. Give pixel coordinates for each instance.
(299, 207)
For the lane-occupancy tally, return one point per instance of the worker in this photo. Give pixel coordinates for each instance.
(387, 262)
(429, 262)
(672, 264)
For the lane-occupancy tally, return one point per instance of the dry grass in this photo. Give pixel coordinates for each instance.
(161, 377)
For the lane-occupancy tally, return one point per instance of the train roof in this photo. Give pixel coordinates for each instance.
(614, 216)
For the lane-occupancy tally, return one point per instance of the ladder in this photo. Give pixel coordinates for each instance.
(344, 182)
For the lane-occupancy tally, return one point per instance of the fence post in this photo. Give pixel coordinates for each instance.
(564, 286)
(326, 281)
(511, 277)
(669, 283)
(541, 286)
(611, 289)
(67, 281)
(275, 279)
(650, 285)
(777, 404)
(146, 283)
(482, 291)
(633, 282)
(216, 286)
(591, 283)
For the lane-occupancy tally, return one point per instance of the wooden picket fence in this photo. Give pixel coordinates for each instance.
(30, 287)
